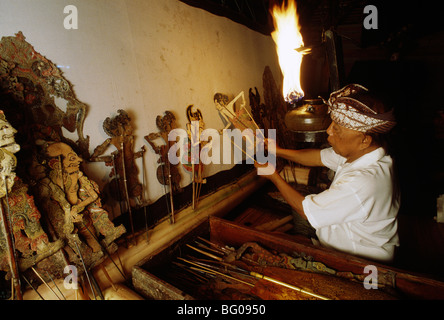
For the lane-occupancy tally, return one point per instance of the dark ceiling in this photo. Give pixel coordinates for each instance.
(393, 15)
(251, 13)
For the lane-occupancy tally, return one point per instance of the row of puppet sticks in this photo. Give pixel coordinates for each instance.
(72, 182)
(64, 186)
(124, 171)
(122, 160)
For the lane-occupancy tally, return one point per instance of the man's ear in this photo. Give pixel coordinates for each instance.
(366, 141)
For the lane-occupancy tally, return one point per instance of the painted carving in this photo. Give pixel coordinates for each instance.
(40, 103)
(167, 173)
(85, 213)
(194, 147)
(238, 117)
(29, 86)
(122, 160)
(29, 239)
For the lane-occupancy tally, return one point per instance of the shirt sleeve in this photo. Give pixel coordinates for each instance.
(331, 159)
(336, 205)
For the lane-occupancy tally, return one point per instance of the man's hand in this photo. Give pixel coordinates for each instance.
(267, 170)
(271, 144)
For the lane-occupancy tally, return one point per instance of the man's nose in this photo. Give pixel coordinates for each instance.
(329, 130)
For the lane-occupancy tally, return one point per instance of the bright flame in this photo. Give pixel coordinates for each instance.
(288, 38)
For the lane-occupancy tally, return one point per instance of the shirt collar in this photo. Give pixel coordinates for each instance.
(368, 158)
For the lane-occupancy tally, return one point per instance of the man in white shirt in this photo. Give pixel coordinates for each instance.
(357, 213)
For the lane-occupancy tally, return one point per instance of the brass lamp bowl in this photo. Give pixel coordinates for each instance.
(310, 121)
(311, 116)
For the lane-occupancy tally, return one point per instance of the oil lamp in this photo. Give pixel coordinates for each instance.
(307, 118)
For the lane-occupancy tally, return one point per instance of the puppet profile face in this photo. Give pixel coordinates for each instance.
(7, 135)
(71, 161)
(8, 162)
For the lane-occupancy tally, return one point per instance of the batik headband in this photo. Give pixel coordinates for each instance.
(353, 114)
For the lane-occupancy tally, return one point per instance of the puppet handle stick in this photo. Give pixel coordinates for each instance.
(45, 283)
(171, 196)
(12, 259)
(194, 184)
(13, 262)
(116, 179)
(86, 270)
(170, 183)
(214, 272)
(126, 192)
(252, 119)
(143, 192)
(251, 158)
(261, 276)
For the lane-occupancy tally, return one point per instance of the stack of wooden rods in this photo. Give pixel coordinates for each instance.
(206, 268)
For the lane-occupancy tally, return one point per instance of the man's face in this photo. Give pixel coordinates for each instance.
(345, 142)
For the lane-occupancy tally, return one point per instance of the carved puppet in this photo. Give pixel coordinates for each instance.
(120, 130)
(85, 213)
(29, 238)
(193, 162)
(29, 85)
(240, 119)
(51, 199)
(40, 103)
(167, 173)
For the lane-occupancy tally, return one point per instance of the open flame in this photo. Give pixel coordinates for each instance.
(288, 38)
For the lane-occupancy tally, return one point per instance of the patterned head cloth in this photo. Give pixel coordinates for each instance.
(354, 114)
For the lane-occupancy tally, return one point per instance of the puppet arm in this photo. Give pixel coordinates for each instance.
(99, 150)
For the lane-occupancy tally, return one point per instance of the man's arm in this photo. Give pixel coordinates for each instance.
(292, 196)
(305, 157)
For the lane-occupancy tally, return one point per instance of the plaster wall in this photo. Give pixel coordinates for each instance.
(144, 56)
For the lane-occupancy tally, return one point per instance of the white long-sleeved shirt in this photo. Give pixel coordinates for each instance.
(357, 214)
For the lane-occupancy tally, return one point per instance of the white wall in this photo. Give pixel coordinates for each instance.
(144, 56)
